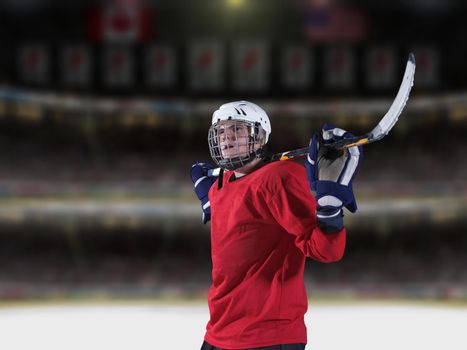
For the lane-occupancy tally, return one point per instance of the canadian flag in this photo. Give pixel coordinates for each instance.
(120, 21)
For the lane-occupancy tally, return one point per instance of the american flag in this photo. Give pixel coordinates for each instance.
(331, 24)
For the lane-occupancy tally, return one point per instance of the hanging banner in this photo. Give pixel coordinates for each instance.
(339, 67)
(33, 64)
(118, 67)
(427, 58)
(206, 65)
(160, 66)
(381, 69)
(250, 68)
(76, 65)
(296, 67)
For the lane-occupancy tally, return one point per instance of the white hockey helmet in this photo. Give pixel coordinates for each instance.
(243, 110)
(247, 147)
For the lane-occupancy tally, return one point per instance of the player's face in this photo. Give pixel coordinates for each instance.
(234, 139)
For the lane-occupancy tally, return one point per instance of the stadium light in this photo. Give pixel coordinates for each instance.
(235, 3)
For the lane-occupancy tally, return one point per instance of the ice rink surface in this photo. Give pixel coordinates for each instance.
(330, 327)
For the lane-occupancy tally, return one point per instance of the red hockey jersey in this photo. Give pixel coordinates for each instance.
(263, 227)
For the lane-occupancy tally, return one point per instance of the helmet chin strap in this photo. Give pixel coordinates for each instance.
(239, 162)
(220, 179)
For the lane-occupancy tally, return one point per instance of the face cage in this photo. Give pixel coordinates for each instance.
(255, 137)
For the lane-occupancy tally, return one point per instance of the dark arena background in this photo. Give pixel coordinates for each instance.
(104, 106)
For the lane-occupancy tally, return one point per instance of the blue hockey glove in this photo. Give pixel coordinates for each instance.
(330, 173)
(202, 182)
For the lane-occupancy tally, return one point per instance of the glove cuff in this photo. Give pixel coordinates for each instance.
(205, 218)
(330, 220)
(344, 193)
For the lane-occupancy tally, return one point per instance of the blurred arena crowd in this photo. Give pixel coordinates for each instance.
(400, 248)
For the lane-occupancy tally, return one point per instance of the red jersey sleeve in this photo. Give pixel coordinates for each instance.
(293, 206)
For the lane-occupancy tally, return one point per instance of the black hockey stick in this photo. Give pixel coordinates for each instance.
(378, 132)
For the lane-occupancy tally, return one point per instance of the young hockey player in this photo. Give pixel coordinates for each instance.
(264, 223)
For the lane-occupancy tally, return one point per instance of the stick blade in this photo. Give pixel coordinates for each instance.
(391, 117)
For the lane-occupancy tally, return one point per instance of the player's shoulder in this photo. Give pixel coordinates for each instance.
(275, 177)
(282, 170)
(284, 167)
